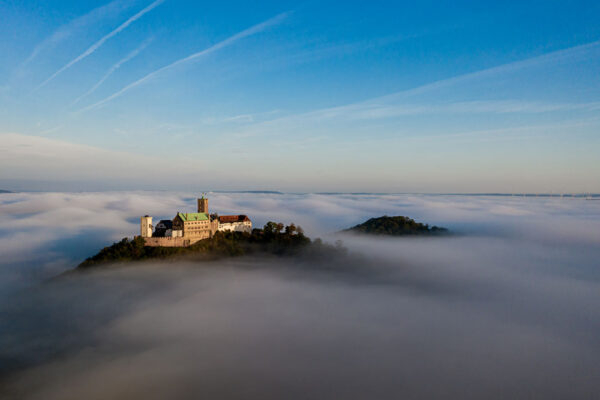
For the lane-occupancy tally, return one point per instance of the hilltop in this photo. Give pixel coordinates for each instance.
(274, 238)
(395, 226)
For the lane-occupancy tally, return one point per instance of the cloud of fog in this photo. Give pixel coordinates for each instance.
(61, 229)
(506, 309)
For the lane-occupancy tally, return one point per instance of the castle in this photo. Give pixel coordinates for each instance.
(186, 229)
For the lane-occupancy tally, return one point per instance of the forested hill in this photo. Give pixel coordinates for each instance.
(274, 238)
(396, 226)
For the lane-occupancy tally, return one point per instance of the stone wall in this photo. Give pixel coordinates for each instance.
(170, 241)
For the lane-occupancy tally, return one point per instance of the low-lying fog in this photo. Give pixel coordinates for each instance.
(506, 308)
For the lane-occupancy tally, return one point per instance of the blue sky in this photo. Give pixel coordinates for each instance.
(313, 96)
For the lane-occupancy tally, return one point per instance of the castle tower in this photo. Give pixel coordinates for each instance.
(146, 226)
(203, 205)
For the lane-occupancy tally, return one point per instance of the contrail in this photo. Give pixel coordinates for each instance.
(67, 30)
(100, 42)
(556, 55)
(112, 69)
(229, 41)
(354, 108)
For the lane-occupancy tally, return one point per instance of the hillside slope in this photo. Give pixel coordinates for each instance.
(396, 226)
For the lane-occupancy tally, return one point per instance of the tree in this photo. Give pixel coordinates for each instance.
(270, 228)
(290, 229)
(279, 227)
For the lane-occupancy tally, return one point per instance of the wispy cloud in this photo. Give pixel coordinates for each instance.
(241, 118)
(317, 51)
(51, 130)
(112, 69)
(394, 104)
(552, 57)
(227, 42)
(100, 42)
(382, 111)
(65, 31)
(38, 157)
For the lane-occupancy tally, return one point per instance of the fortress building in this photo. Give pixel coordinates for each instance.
(163, 228)
(188, 228)
(146, 226)
(235, 223)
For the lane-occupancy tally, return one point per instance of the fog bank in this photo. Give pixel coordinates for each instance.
(508, 308)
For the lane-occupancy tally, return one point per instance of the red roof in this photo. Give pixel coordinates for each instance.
(224, 219)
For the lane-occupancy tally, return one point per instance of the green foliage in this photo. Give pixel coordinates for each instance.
(396, 226)
(274, 238)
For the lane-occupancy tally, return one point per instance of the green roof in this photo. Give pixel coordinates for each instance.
(185, 217)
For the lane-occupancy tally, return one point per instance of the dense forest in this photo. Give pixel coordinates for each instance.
(396, 226)
(274, 238)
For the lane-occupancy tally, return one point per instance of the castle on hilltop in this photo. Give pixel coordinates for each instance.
(188, 228)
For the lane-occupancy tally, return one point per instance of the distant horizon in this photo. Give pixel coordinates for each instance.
(268, 191)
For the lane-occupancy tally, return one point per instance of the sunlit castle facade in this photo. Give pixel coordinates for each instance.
(235, 223)
(188, 228)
